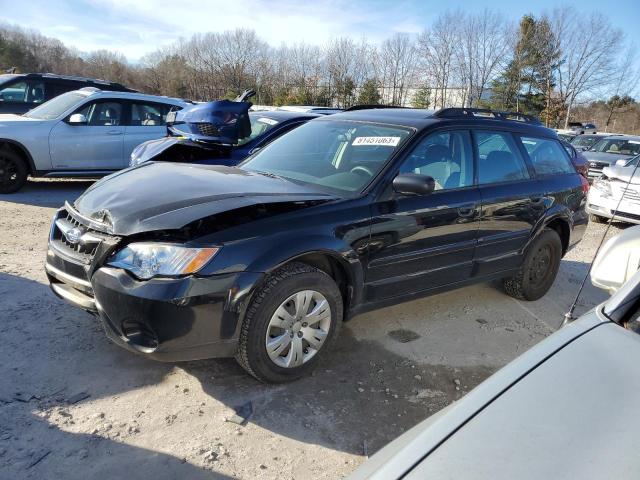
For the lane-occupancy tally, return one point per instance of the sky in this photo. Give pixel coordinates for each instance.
(137, 27)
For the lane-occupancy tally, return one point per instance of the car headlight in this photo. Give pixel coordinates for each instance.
(603, 186)
(147, 260)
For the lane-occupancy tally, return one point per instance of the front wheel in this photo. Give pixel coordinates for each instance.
(13, 171)
(539, 268)
(290, 323)
(597, 219)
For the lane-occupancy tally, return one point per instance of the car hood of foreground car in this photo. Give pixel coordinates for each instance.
(167, 196)
(567, 408)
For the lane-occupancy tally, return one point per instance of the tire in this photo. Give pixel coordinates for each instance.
(13, 171)
(283, 285)
(597, 218)
(539, 268)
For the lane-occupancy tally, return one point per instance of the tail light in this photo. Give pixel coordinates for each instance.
(585, 185)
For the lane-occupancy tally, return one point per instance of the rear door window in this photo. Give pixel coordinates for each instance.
(499, 159)
(548, 156)
(149, 114)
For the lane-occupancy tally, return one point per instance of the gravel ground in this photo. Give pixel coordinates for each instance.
(73, 405)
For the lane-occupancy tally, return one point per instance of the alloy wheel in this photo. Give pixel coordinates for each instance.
(8, 171)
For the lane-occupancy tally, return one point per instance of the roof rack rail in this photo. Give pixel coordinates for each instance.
(486, 113)
(368, 107)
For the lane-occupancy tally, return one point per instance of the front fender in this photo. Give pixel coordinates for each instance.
(332, 247)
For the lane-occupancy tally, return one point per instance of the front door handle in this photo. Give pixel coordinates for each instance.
(114, 132)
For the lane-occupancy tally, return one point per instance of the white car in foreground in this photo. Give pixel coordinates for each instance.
(566, 409)
(614, 190)
(83, 133)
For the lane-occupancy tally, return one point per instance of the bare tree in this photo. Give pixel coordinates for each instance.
(481, 49)
(397, 58)
(437, 50)
(624, 86)
(342, 65)
(589, 47)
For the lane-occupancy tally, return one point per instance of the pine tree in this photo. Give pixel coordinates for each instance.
(422, 98)
(369, 94)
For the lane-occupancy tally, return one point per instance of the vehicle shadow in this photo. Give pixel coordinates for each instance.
(360, 398)
(52, 357)
(48, 192)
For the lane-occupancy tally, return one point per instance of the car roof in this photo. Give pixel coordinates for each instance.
(307, 108)
(90, 91)
(419, 119)
(74, 78)
(284, 115)
(621, 136)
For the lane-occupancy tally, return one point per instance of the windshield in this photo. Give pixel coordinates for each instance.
(56, 106)
(584, 140)
(619, 146)
(342, 156)
(633, 162)
(259, 125)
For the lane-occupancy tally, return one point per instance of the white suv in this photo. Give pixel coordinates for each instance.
(84, 133)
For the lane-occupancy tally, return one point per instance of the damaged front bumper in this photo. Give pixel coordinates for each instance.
(167, 319)
(604, 205)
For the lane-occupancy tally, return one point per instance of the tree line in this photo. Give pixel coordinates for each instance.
(551, 65)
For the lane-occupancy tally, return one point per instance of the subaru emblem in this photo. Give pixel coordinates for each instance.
(74, 235)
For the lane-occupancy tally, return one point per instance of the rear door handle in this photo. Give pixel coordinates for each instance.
(466, 212)
(114, 132)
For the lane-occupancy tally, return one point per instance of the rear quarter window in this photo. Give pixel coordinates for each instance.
(548, 156)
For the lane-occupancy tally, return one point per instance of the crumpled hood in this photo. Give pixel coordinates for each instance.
(153, 148)
(611, 158)
(623, 173)
(168, 196)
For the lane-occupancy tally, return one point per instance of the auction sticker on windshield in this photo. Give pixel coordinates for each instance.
(385, 141)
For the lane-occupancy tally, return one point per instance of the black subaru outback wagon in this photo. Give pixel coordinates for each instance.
(344, 214)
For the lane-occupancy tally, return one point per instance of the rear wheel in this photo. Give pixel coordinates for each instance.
(13, 171)
(290, 323)
(539, 268)
(597, 218)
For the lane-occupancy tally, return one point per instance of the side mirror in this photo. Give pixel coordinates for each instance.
(617, 261)
(77, 119)
(621, 163)
(413, 184)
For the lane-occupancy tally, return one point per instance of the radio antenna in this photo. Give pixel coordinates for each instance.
(569, 317)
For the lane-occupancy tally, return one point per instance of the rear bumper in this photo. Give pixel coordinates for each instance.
(188, 318)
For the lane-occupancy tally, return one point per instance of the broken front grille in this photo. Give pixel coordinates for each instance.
(208, 129)
(73, 238)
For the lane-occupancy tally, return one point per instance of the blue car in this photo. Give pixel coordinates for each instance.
(220, 133)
